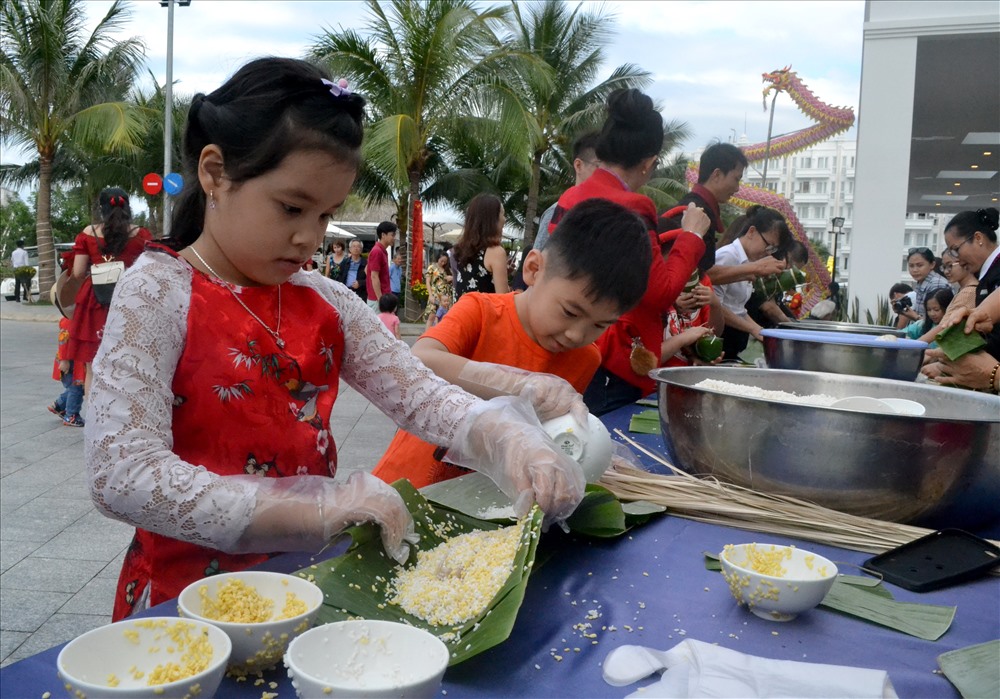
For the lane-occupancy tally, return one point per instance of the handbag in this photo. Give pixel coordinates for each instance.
(104, 276)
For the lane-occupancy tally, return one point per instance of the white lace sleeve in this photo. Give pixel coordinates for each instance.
(134, 474)
(384, 370)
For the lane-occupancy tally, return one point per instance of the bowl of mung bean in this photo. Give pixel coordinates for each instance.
(776, 583)
(261, 612)
(148, 658)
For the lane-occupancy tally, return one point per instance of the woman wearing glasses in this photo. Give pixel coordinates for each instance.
(963, 281)
(762, 232)
(972, 237)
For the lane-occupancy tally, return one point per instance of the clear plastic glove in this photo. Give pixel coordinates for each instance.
(303, 513)
(503, 439)
(551, 396)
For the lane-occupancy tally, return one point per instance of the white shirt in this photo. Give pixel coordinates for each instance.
(19, 258)
(733, 296)
(982, 270)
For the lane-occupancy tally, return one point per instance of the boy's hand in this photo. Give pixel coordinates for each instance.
(550, 396)
(63, 366)
(692, 334)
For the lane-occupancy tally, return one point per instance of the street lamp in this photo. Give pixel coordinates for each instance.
(838, 225)
(168, 109)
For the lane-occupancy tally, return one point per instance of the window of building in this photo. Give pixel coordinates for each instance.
(806, 161)
(802, 186)
(822, 162)
(907, 241)
(851, 166)
(821, 187)
(849, 212)
(905, 267)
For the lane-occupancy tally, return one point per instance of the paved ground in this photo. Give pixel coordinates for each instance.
(59, 558)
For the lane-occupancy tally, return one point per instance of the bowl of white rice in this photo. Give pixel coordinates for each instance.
(777, 431)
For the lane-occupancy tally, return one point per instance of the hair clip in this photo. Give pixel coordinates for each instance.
(337, 89)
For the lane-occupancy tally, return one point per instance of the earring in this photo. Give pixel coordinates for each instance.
(211, 199)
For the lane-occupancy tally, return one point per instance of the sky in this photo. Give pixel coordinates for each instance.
(706, 57)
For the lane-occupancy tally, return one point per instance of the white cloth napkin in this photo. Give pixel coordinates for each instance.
(697, 669)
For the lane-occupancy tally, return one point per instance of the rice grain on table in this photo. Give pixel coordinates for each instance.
(456, 580)
(736, 389)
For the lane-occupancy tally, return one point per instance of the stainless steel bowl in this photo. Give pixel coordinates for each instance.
(940, 469)
(843, 353)
(834, 326)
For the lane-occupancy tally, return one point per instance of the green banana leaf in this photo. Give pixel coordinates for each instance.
(645, 422)
(599, 514)
(357, 583)
(954, 342)
(974, 670)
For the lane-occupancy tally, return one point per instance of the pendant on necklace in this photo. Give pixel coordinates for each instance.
(279, 342)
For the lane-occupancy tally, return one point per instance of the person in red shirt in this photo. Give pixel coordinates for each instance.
(377, 271)
(629, 150)
(596, 268)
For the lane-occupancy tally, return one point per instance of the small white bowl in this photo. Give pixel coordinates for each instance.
(257, 646)
(89, 664)
(366, 659)
(803, 585)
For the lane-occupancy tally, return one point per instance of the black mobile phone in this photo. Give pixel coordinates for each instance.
(934, 561)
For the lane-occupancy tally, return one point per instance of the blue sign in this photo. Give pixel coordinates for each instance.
(173, 183)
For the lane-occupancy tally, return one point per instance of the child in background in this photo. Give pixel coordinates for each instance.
(69, 402)
(444, 303)
(695, 314)
(935, 305)
(210, 414)
(387, 305)
(593, 269)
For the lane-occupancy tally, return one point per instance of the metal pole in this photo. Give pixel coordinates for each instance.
(767, 150)
(168, 114)
(833, 270)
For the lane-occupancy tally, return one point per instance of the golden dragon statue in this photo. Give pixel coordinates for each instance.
(829, 122)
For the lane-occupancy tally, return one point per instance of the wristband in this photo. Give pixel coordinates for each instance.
(993, 379)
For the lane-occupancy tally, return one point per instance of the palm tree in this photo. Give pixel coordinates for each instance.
(558, 106)
(422, 65)
(58, 85)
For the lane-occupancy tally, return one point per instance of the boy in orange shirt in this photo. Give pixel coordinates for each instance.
(539, 343)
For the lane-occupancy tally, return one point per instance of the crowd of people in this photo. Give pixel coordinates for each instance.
(212, 374)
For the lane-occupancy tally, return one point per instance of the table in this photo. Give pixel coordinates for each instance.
(649, 587)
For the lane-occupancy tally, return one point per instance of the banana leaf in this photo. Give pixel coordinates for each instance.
(599, 514)
(975, 670)
(358, 583)
(646, 422)
(954, 342)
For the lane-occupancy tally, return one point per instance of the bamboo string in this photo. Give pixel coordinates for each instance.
(706, 499)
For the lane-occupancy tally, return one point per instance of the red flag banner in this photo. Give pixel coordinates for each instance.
(417, 240)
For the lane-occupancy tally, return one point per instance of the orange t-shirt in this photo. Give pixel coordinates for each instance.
(484, 328)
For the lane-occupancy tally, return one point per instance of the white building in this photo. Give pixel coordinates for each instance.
(819, 184)
(928, 127)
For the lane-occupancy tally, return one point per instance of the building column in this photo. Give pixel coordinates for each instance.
(881, 182)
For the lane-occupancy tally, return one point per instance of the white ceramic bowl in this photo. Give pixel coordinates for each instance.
(89, 663)
(366, 659)
(803, 585)
(591, 447)
(258, 646)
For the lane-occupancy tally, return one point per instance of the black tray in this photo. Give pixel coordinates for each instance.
(934, 561)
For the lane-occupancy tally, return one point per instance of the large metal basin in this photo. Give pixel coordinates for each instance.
(940, 469)
(835, 326)
(843, 353)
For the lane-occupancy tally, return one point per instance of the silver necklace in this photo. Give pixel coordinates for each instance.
(276, 334)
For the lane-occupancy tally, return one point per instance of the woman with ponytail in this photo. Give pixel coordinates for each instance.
(113, 239)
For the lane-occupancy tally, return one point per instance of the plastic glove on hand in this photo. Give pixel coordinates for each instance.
(551, 396)
(503, 439)
(365, 498)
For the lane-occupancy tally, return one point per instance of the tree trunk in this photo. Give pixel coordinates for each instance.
(532, 204)
(411, 309)
(43, 226)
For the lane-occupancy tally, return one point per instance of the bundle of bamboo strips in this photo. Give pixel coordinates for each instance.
(706, 499)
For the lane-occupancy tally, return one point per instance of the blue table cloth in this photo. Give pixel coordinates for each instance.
(648, 587)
